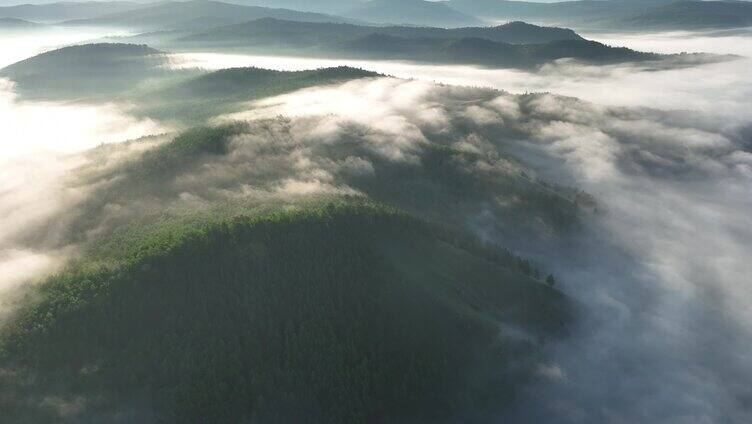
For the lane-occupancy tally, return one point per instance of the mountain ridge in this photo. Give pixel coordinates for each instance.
(189, 15)
(413, 12)
(618, 14)
(460, 45)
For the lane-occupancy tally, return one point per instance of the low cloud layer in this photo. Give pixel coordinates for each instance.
(663, 274)
(41, 146)
(719, 90)
(20, 45)
(660, 274)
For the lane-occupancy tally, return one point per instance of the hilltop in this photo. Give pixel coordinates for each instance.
(83, 70)
(328, 312)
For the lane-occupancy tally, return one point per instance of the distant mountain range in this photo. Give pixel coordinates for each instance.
(278, 33)
(57, 12)
(176, 15)
(17, 24)
(582, 14)
(202, 25)
(694, 15)
(564, 11)
(336, 7)
(617, 14)
(514, 45)
(413, 12)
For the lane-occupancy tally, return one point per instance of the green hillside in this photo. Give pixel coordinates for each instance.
(248, 83)
(140, 76)
(200, 97)
(339, 312)
(440, 185)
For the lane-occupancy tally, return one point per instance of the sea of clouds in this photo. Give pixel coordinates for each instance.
(663, 276)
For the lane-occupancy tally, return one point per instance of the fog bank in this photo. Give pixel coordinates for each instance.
(662, 275)
(41, 145)
(717, 89)
(16, 46)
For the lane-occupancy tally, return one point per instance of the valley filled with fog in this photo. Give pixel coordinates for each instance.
(41, 145)
(707, 87)
(657, 265)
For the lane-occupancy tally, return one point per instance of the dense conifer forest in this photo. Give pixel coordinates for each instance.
(334, 311)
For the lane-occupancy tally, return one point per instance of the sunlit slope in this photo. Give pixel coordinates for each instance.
(251, 162)
(341, 311)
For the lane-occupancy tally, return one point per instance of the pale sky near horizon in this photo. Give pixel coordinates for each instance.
(4, 3)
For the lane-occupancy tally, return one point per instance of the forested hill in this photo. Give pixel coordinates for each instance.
(312, 34)
(78, 71)
(201, 97)
(515, 45)
(479, 51)
(78, 57)
(336, 312)
(252, 83)
(142, 76)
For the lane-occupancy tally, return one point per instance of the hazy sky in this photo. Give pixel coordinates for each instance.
(16, 2)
